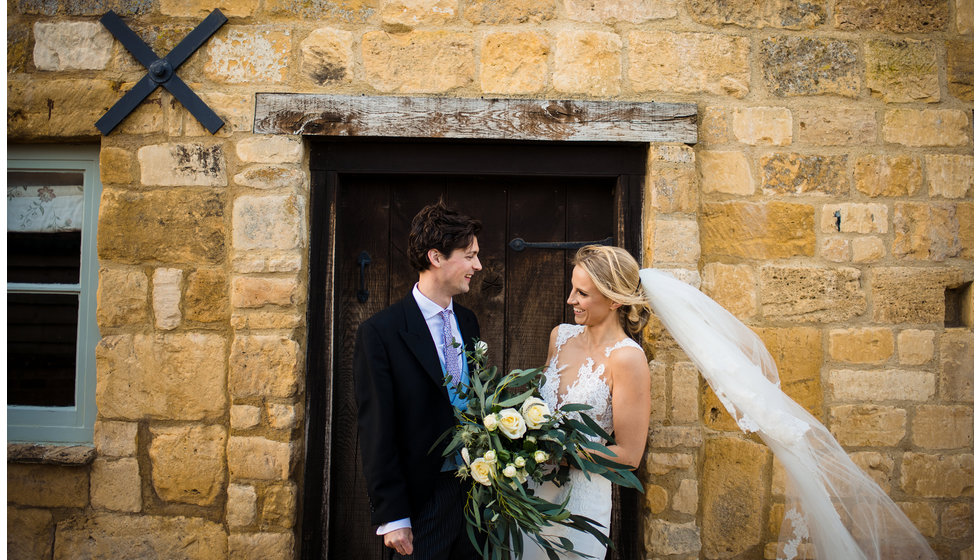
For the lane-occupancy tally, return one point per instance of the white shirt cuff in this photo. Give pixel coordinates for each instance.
(395, 525)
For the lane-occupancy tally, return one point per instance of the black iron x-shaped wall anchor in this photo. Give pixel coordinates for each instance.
(162, 72)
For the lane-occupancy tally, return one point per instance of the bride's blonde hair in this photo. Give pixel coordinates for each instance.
(616, 275)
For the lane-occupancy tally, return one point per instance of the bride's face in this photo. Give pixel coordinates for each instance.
(588, 304)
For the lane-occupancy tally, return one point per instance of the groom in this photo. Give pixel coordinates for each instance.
(402, 355)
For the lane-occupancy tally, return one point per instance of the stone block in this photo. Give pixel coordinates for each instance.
(949, 175)
(47, 486)
(201, 8)
(726, 172)
(29, 533)
(656, 498)
(399, 14)
(801, 65)
(868, 425)
(964, 26)
(147, 118)
(835, 249)
(926, 231)
(236, 111)
(281, 416)
(797, 353)
(177, 165)
(279, 506)
(956, 363)
(115, 439)
(964, 219)
(752, 230)
(334, 11)
(713, 128)
(188, 463)
(916, 347)
(241, 509)
(328, 54)
(247, 291)
(686, 497)
(248, 55)
(675, 436)
(781, 14)
(852, 217)
(611, 11)
(253, 262)
(684, 393)
(660, 464)
(733, 496)
(245, 416)
(270, 149)
(792, 173)
(261, 546)
(116, 485)
(116, 165)
(881, 385)
(688, 63)
(514, 63)
(911, 295)
(271, 177)
(937, 476)
(509, 11)
(959, 69)
(734, 287)
(667, 538)
(57, 107)
(259, 458)
(122, 297)
(265, 365)
(71, 45)
(658, 392)
(166, 297)
(943, 427)
(957, 521)
(18, 47)
(262, 319)
(137, 537)
(863, 345)
(206, 296)
(588, 62)
(902, 70)
(418, 61)
(927, 127)
(166, 376)
(880, 467)
(888, 176)
(765, 126)
(837, 126)
(867, 249)
(676, 241)
(268, 222)
(923, 516)
(672, 189)
(819, 294)
(892, 15)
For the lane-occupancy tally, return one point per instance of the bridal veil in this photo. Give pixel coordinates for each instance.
(832, 507)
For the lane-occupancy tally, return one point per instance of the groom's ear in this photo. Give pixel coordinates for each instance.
(435, 258)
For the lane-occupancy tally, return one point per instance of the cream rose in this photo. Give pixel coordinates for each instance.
(480, 349)
(511, 423)
(490, 422)
(510, 471)
(490, 456)
(481, 471)
(540, 456)
(535, 412)
(519, 462)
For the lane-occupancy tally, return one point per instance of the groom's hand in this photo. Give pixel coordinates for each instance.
(400, 540)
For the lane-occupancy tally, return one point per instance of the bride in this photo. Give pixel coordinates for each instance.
(595, 362)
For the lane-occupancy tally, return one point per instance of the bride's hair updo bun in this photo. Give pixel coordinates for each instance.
(616, 275)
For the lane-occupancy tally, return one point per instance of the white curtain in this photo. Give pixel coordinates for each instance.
(45, 209)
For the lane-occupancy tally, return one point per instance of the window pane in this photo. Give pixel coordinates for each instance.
(41, 334)
(46, 258)
(45, 201)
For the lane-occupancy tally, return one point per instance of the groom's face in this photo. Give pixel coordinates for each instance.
(456, 270)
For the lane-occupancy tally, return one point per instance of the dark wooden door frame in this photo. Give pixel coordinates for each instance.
(330, 159)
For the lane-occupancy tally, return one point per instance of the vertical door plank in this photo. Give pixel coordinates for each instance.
(410, 193)
(590, 217)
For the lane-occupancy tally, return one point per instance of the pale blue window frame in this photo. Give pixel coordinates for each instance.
(66, 424)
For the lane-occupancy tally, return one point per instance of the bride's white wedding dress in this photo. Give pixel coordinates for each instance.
(592, 496)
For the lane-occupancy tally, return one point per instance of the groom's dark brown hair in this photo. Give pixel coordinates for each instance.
(441, 228)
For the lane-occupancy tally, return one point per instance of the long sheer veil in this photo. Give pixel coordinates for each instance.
(834, 511)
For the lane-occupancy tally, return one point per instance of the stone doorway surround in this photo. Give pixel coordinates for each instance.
(670, 236)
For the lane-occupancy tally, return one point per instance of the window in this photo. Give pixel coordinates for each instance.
(52, 275)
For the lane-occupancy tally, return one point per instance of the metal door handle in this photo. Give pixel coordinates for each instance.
(363, 260)
(519, 244)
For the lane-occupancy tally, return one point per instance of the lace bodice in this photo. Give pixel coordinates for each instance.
(589, 386)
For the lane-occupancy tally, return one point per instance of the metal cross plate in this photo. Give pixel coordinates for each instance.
(161, 72)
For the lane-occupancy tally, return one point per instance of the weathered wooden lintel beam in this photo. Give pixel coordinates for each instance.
(503, 119)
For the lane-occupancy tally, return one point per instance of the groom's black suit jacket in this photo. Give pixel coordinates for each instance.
(402, 406)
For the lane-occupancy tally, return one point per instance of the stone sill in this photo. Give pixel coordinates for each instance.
(50, 454)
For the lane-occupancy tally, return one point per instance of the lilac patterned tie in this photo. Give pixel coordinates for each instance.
(451, 353)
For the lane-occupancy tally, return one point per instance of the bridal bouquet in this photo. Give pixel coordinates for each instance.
(508, 436)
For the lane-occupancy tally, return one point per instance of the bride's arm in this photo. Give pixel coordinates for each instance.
(630, 377)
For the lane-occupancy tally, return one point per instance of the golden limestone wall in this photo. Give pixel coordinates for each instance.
(828, 203)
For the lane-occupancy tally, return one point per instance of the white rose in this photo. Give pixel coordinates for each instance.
(540, 456)
(511, 423)
(519, 462)
(481, 471)
(510, 471)
(490, 456)
(535, 412)
(480, 348)
(490, 422)
(522, 476)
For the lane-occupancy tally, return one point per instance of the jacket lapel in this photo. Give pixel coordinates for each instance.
(416, 336)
